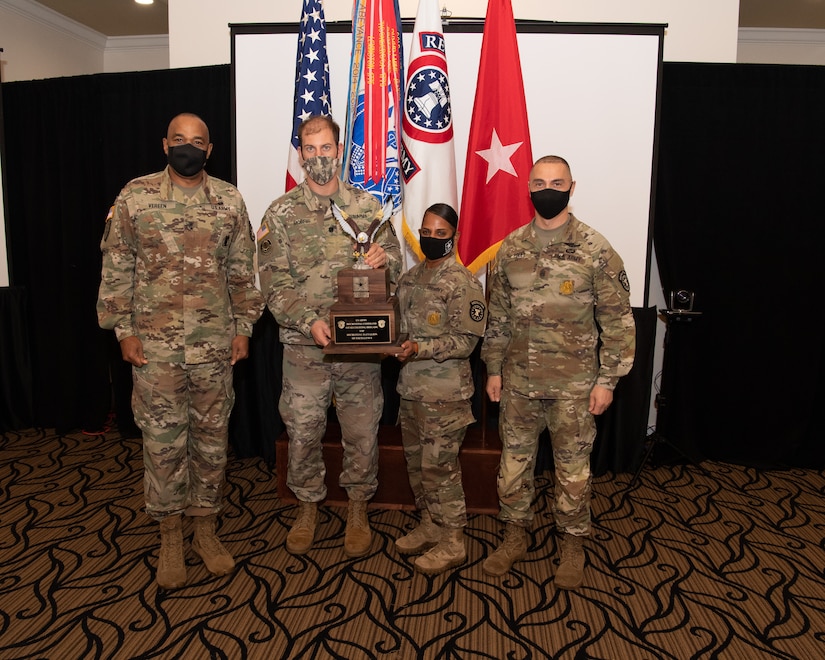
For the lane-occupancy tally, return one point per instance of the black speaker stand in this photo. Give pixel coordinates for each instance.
(659, 438)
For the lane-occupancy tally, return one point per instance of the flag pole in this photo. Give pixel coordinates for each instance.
(484, 405)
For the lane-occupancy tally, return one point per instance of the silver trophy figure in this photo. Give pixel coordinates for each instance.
(363, 239)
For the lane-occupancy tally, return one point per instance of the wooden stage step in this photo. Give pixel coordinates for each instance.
(479, 464)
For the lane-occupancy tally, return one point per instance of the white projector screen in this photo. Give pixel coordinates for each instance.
(591, 92)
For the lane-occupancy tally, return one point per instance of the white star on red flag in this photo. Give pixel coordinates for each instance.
(493, 206)
(498, 156)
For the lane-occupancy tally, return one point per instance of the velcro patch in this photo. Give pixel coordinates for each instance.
(624, 281)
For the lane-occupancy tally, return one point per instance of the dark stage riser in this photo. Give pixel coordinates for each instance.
(479, 464)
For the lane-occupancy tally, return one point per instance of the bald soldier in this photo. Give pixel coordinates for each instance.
(301, 248)
(178, 288)
(560, 334)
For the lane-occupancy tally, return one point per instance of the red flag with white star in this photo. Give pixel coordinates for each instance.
(495, 199)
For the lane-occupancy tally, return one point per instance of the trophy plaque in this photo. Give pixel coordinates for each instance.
(365, 317)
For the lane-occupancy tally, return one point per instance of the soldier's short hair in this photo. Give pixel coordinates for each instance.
(445, 212)
(554, 159)
(316, 124)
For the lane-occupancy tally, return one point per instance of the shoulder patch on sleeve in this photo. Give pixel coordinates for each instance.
(111, 213)
(263, 230)
(624, 281)
(477, 310)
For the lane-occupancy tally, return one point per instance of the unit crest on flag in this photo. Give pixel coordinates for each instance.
(427, 151)
(427, 111)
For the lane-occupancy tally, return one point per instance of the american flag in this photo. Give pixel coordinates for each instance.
(311, 80)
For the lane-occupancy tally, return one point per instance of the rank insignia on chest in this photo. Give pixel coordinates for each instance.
(434, 318)
(566, 288)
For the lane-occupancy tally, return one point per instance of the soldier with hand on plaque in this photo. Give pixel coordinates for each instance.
(301, 248)
(442, 309)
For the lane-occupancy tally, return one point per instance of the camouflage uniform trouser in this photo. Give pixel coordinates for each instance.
(311, 379)
(572, 432)
(183, 412)
(432, 434)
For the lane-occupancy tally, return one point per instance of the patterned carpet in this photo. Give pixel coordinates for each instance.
(689, 562)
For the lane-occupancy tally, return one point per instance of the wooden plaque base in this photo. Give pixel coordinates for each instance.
(365, 319)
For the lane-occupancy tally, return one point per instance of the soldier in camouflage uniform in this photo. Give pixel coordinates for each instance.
(442, 310)
(178, 288)
(301, 248)
(559, 336)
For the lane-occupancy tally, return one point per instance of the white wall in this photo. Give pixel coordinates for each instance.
(698, 31)
(144, 53)
(771, 46)
(40, 43)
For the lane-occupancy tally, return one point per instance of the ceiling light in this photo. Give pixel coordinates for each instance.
(145, 2)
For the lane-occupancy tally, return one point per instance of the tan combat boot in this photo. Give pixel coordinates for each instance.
(217, 559)
(171, 573)
(570, 573)
(302, 533)
(358, 536)
(511, 550)
(425, 535)
(449, 552)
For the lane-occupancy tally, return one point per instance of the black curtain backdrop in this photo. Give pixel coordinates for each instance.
(739, 221)
(15, 358)
(621, 430)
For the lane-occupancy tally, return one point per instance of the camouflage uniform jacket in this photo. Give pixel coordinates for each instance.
(443, 310)
(301, 248)
(179, 273)
(547, 304)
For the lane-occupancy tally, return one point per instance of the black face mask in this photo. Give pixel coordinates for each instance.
(436, 248)
(549, 202)
(186, 159)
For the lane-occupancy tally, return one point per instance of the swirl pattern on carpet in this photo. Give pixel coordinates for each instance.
(710, 561)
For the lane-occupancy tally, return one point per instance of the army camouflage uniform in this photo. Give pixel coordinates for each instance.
(550, 305)
(301, 248)
(178, 274)
(443, 310)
